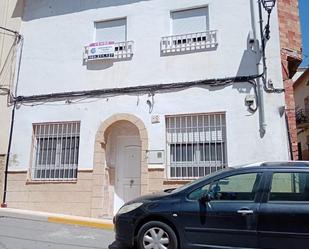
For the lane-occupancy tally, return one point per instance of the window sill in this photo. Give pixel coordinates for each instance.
(31, 182)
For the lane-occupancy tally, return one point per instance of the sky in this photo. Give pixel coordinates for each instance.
(304, 19)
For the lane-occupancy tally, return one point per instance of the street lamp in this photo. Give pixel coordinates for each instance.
(268, 5)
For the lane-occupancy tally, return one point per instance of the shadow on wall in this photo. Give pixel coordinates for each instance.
(248, 65)
(45, 8)
(98, 65)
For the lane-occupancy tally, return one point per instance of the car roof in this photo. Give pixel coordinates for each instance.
(287, 164)
(257, 167)
(274, 165)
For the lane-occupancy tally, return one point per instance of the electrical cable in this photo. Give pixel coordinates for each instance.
(153, 88)
(10, 30)
(254, 84)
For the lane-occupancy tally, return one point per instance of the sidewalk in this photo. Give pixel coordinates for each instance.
(57, 218)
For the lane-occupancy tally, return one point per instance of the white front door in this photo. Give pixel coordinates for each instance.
(128, 170)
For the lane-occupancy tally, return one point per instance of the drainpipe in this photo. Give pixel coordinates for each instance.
(3, 204)
(260, 68)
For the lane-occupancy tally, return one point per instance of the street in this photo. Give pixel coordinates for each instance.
(20, 233)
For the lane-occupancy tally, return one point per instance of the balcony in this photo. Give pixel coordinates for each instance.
(121, 51)
(302, 118)
(189, 42)
(124, 50)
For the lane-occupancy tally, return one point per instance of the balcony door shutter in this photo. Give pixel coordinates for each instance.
(114, 30)
(189, 21)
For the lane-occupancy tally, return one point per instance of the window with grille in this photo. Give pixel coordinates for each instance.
(196, 145)
(56, 147)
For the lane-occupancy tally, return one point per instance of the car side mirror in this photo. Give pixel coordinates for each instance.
(205, 198)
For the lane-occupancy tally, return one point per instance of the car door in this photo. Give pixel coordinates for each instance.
(284, 214)
(229, 219)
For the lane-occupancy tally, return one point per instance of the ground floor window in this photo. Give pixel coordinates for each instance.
(55, 151)
(196, 144)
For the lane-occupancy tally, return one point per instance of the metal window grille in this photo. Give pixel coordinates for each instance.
(56, 147)
(196, 145)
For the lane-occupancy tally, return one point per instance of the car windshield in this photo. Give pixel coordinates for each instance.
(188, 185)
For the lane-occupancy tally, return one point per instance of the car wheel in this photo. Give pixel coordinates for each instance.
(156, 235)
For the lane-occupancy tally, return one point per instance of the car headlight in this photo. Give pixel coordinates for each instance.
(129, 208)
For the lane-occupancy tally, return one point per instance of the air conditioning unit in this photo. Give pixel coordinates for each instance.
(99, 51)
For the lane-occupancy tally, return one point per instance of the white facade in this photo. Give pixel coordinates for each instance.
(56, 32)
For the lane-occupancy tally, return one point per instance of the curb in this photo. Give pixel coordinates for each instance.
(81, 222)
(57, 218)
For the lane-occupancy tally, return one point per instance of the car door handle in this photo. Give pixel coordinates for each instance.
(245, 211)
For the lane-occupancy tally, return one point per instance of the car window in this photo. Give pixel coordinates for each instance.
(197, 181)
(198, 193)
(241, 187)
(289, 187)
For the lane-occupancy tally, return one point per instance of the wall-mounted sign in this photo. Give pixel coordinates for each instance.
(101, 50)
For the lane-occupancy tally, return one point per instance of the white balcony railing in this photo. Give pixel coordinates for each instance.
(123, 50)
(189, 42)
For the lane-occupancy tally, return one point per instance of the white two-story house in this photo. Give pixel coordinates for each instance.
(119, 98)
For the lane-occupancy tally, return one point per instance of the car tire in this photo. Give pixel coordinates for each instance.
(156, 232)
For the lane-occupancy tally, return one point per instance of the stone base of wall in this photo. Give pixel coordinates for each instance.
(158, 181)
(72, 198)
(2, 168)
(64, 198)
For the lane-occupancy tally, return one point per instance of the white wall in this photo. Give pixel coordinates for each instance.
(244, 142)
(55, 44)
(55, 33)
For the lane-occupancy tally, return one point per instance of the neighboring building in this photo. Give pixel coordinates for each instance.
(291, 57)
(301, 94)
(10, 12)
(90, 134)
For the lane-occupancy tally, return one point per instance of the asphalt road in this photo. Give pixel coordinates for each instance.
(20, 233)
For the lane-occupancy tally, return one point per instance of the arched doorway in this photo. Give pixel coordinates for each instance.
(120, 169)
(123, 161)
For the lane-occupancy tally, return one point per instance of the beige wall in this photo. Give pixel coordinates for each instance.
(65, 198)
(2, 166)
(10, 17)
(304, 140)
(70, 198)
(301, 91)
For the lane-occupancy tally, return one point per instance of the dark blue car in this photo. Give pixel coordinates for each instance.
(265, 206)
